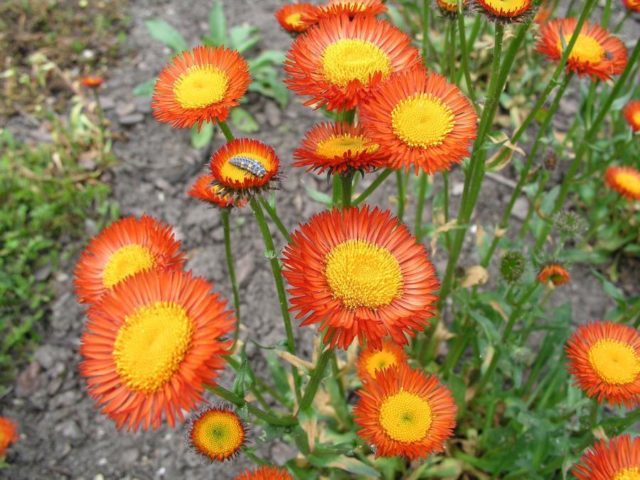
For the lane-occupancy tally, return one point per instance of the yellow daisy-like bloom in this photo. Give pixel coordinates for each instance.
(405, 412)
(505, 10)
(217, 433)
(372, 361)
(624, 180)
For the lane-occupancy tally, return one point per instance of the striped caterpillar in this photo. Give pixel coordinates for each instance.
(249, 165)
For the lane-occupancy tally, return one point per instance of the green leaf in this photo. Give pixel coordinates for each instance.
(217, 24)
(244, 120)
(243, 37)
(354, 466)
(318, 196)
(266, 58)
(165, 33)
(200, 138)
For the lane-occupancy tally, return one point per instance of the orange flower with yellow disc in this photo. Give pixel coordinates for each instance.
(360, 273)
(631, 113)
(604, 358)
(243, 167)
(8, 435)
(151, 346)
(420, 121)
(505, 10)
(199, 86)
(633, 5)
(373, 360)
(265, 473)
(217, 433)
(624, 180)
(596, 52)
(123, 249)
(338, 147)
(337, 62)
(615, 459)
(405, 412)
(554, 273)
(296, 17)
(206, 190)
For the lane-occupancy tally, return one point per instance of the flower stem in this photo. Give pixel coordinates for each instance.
(232, 272)
(347, 182)
(372, 188)
(422, 193)
(401, 194)
(276, 219)
(425, 30)
(229, 396)
(464, 59)
(277, 276)
(226, 131)
(314, 381)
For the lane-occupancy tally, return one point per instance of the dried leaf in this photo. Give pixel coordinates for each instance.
(475, 275)
(295, 361)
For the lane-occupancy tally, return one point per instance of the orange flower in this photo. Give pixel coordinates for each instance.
(338, 147)
(8, 434)
(200, 86)
(217, 433)
(265, 473)
(624, 180)
(152, 344)
(351, 8)
(554, 273)
(337, 62)
(604, 358)
(506, 10)
(542, 15)
(360, 273)
(372, 361)
(92, 81)
(595, 53)
(633, 5)
(631, 112)
(296, 17)
(616, 459)
(205, 190)
(449, 7)
(420, 121)
(405, 412)
(244, 166)
(125, 248)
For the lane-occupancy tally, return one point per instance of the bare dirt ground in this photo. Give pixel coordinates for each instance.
(62, 434)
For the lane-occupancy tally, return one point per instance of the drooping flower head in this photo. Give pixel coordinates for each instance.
(350, 8)
(360, 273)
(633, 5)
(217, 433)
(123, 249)
(615, 459)
(450, 7)
(338, 147)
(505, 10)
(604, 358)
(206, 190)
(631, 113)
(338, 61)
(554, 273)
(244, 167)
(92, 81)
(8, 434)
(265, 473)
(198, 86)
(373, 360)
(296, 17)
(152, 344)
(405, 412)
(420, 121)
(596, 52)
(624, 180)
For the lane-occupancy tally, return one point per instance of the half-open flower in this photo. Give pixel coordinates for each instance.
(360, 273)
(631, 113)
(450, 7)
(208, 191)
(198, 86)
(405, 412)
(266, 472)
(633, 5)
(553, 273)
(505, 10)
(420, 121)
(337, 62)
(217, 433)
(604, 358)
(372, 361)
(624, 180)
(123, 249)
(615, 459)
(297, 17)
(596, 52)
(152, 344)
(8, 435)
(350, 8)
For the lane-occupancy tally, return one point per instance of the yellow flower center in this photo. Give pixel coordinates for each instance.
(218, 434)
(632, 473)
(615, 362)
(151, 345)
(294, 19)
(348, 59)
(363, 275)
(422, 120)
(629, 182)
(506, 6)
(379, 361)
(200, 87)
(405, 417)
(339, 145)
(127, 261)
(586, 49)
